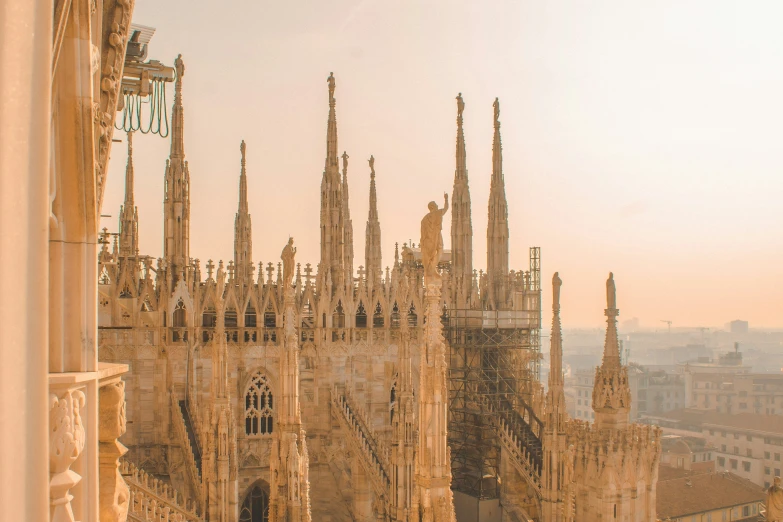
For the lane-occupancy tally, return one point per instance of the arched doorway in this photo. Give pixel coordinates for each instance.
(255, 507)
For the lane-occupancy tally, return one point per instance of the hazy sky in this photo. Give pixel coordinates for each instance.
(639, 137)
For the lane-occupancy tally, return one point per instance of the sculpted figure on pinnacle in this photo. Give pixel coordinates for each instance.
(431, 243)
(556, 284)
(460, 105)
(611, 293)
(289, 251)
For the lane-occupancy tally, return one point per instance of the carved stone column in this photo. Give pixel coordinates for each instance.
(113, 492)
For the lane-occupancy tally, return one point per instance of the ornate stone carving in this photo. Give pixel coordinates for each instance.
(114, 493)
(775, 502)
(66, 442)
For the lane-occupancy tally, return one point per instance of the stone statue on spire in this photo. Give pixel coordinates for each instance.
(556, 284)
(496, 106)
(179, 65)
(242, 151)
(611, 293)
(330, 80)
(431, 243)
(460, 105)
(289, 251)
(345, 161)
(372, 166)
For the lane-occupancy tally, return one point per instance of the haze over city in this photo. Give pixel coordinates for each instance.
(634, 140)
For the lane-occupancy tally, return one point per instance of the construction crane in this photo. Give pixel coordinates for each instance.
(668, 323)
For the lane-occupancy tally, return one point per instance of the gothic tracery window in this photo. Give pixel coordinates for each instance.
(255, 508)
(361, 316)
(377, 316)
(179, 315)
(259, 406)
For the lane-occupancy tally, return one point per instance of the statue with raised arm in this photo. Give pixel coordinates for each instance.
(431, 243)
(775, 502)
(289, 251)
(556, 284)
(460, 105)
(611, 293)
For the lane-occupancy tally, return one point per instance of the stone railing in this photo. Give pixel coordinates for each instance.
(525, 455)
(183, 439)
(152, 500)
(364, 443)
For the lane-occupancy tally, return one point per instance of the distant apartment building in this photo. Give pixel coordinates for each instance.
(737, 327)
(652, 392)
(749, 445)
(580, 387)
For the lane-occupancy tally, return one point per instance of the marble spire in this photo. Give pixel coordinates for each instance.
(461, 220)
(372, 252)
(333, 207)
(611, 391)
(243, 235)
(176, 203)
(129, 217)
(497, 225)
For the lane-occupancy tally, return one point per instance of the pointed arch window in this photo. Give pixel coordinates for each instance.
(255, 507)
(209, 317)
(230, 318)
(250, 316)
(180, 315)
(395, 316)
(338, 316)
(413, 319)
(259, 406)
(377, 316)
(308, 317)
(361, 316)
(270, 317)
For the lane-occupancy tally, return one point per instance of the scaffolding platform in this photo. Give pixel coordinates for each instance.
(493, 361)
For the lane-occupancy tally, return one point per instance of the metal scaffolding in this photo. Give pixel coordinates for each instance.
(493, 357)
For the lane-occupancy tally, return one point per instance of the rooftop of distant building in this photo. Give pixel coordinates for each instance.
(683, 493)
(742, 421)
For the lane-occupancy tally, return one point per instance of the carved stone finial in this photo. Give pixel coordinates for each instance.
(372, 166)
(242, 151)
(179, 65)
(460, 105)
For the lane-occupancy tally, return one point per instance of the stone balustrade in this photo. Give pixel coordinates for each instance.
(189, 456)
(365, 444)
(153, 500)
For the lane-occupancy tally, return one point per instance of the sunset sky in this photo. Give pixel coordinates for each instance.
(643, 138)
